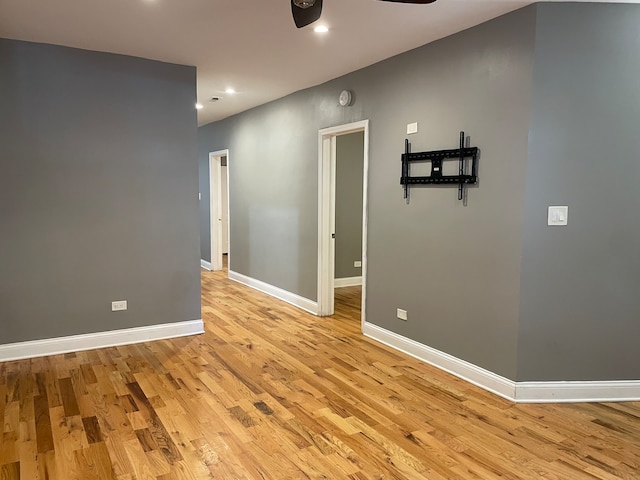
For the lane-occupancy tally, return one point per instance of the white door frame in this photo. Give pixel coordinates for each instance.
(215, 208)
(326, 213)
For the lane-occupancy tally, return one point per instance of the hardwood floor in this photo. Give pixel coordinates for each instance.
(270, 392)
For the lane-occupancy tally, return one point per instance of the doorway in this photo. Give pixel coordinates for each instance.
(219, 209)
(327, 155)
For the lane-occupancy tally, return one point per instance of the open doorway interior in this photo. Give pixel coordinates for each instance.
(219, 209)
(224, 187)
(349, 173)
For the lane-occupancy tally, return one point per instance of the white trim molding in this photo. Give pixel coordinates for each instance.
(91, 341)
(467, 371)
(204, 264)
(519, 392)
(277, 292)
(588, 391)
(347, 282)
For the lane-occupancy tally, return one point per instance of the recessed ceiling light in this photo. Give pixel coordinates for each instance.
(321, 29)
(230, 91)
(199, 106)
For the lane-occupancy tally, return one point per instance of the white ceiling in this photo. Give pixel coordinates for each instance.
(251, 45)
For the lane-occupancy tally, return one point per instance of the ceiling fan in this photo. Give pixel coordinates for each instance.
(308, 11)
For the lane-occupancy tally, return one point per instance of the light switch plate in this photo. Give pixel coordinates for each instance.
(558, 215)
(412, 128)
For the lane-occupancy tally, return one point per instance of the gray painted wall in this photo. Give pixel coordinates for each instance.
(349, 175)
(98, 192)
(456, 269)
(580, 306)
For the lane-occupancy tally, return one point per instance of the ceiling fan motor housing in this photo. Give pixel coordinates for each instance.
(304, 3)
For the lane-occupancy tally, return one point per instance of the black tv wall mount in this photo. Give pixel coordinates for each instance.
(436, 157)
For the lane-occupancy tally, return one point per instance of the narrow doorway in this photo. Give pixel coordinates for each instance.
(349, 174)
(332, 282)
(224, 187)
(219, 209)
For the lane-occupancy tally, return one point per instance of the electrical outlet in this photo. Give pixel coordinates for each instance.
(412, 128)
(402, 314)
(118, 305)
(357, 264)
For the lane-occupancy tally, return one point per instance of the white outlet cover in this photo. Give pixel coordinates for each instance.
(357, 264)
(412, 128)
(401, 314)
(557, 215)
(118, 305)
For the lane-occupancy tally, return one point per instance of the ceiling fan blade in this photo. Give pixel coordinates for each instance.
(421, 2)
(304, 16)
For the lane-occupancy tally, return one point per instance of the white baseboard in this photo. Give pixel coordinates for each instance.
(347, 282)
(296, 300)
(90, 341)
(519, 392)
(206, 265)
(467, 371)
(557, 392)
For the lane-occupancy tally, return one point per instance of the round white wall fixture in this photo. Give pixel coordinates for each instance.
(345, 98)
